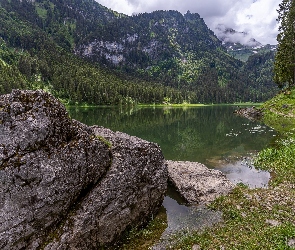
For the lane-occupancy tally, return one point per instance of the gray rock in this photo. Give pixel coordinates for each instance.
(196, 247)
(62, 186)
(291, 243)
(251, 113)
(196, 183)
(273, 223)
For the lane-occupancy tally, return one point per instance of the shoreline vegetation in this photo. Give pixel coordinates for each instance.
(260, 218)
(164, 105)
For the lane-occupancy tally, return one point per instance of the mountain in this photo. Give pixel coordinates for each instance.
(82, 51)
(240, 44)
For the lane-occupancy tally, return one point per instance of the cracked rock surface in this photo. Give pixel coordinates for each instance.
(64, 185)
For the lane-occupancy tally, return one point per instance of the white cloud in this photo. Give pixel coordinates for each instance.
(257, 17)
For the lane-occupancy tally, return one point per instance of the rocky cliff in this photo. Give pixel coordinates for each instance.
(64, 185)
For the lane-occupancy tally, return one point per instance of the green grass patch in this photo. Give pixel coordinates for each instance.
(254, 219)
(279, 113)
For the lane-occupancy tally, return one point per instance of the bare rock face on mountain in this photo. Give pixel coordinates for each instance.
(64, 185)
(196, 183)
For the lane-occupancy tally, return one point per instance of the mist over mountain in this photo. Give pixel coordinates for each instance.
(229, 35)
(84, 52)
(240, 44)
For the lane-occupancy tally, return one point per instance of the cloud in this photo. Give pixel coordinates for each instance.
(257, 17)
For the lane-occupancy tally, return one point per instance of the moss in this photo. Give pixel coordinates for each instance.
(104, 140)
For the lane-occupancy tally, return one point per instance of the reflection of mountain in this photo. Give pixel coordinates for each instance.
(193, 134)
(240, 44)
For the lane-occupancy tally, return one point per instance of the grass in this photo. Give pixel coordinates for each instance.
(253, 219)
(279, 113)
(85, 105)
(42, 12)
(199, 104)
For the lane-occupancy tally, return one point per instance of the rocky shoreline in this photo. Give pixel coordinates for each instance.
(65, 185)
(251, 113)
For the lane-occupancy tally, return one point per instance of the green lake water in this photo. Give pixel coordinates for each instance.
(212, 135)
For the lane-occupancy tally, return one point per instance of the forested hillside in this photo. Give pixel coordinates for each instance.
(85, 53)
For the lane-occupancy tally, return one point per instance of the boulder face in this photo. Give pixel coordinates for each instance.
(196, 183)
(64, 185)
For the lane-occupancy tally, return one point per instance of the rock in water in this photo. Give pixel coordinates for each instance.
(196, 183)
(64, 185)
(250, 113)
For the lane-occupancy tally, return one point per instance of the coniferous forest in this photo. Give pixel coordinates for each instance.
(83, 52)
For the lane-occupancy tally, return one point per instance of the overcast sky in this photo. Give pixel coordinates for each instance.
(257, 17)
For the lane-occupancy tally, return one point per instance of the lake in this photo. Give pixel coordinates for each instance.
(212, 135)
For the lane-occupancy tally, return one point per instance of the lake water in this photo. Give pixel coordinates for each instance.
(212, 135)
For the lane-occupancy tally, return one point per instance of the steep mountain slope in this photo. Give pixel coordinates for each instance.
(67, 22)
(178, 51)
(30, 58)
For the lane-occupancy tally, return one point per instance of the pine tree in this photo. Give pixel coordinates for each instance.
(285, 58)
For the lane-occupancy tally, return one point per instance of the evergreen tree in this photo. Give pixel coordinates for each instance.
(285, 57)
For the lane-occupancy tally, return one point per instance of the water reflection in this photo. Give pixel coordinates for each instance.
(191, 134)
(242, 172)
(239, 168)
(184, 219)
(180, 216)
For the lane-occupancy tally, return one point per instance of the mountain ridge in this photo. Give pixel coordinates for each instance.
(178, 53)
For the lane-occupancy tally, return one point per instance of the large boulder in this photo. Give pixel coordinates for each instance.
(64, 185)
(196, 183)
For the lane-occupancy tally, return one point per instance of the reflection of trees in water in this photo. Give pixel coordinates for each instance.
(194, 134)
